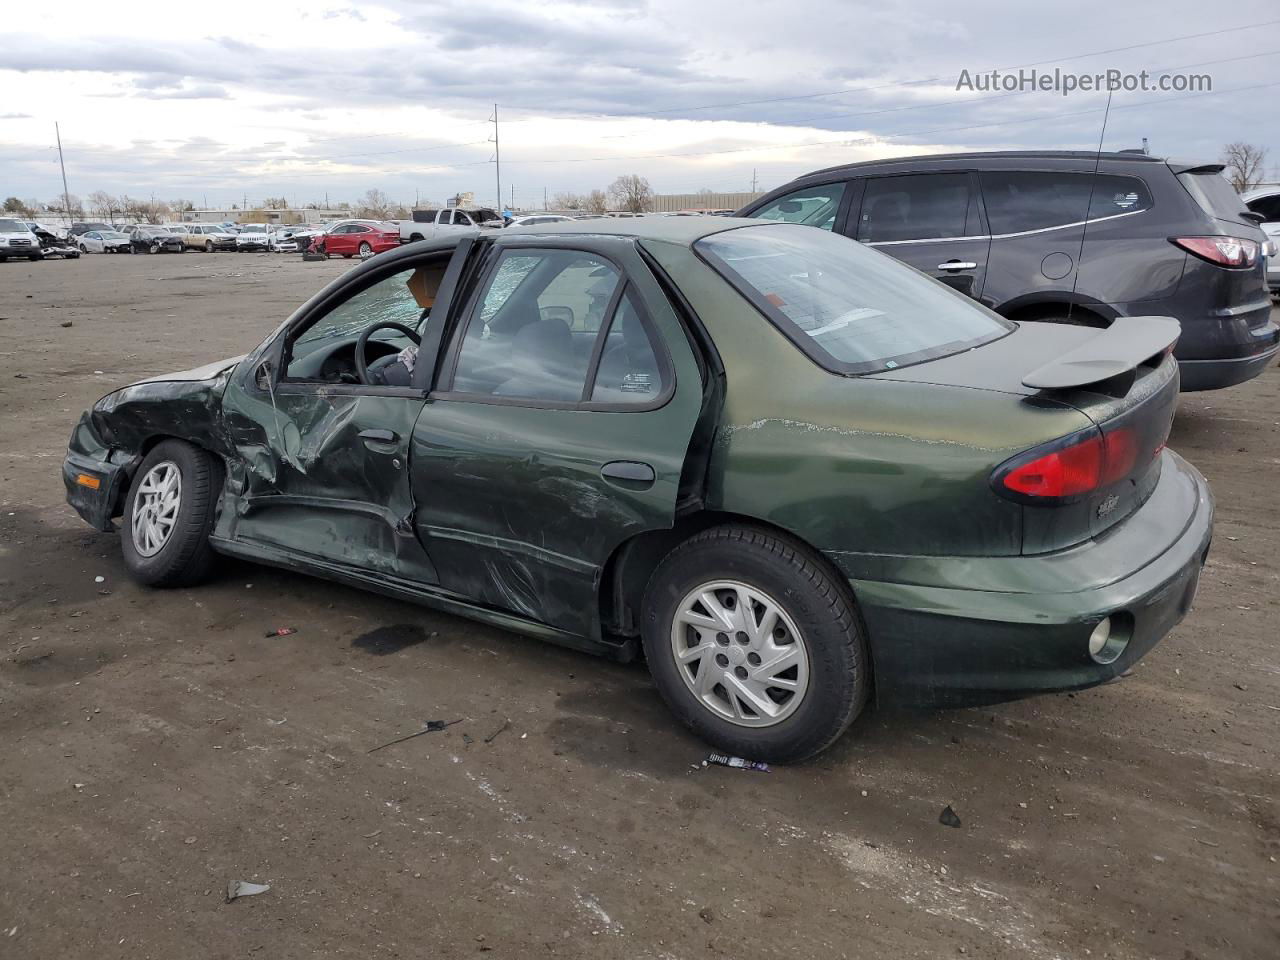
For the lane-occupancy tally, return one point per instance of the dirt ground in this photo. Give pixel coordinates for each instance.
(156, 745)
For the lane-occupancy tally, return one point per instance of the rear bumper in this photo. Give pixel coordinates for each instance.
(1215, 374)
(1024, 630)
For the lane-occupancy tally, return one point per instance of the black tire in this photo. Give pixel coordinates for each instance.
(208, 246)
(822, 609)
(347, 256)
(366, 251)
(186, 557)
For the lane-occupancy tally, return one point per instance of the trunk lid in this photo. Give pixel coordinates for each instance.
(1131, 407)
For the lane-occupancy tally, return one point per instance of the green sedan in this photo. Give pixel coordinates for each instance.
(789, 470)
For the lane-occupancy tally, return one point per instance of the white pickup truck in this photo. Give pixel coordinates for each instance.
(430, 224)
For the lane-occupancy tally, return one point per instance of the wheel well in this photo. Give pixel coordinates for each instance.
(628, 569)
(1084, 316)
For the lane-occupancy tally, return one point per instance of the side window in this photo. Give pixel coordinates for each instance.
(461, 219)
(1268, 207)
(360, 228)
(424, 216)
(812, 206)
(391, 299)
(446, 217)
(926, 206)
(534, 333)
(629, 371)
(1019, 201)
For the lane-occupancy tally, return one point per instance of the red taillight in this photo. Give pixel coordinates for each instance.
(1073, 470)
(1068, 472)
(1224, 251)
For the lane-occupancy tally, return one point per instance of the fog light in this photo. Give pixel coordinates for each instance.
(1098, 639)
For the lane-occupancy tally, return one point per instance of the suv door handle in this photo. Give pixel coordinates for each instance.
(379, 436)
(958, 265)
(629, 471)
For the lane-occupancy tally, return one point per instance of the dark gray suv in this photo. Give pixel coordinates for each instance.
(1162, 238)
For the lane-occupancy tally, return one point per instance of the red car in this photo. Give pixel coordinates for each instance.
(357, 238)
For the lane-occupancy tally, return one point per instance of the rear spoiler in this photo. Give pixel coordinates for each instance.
(1119, 349)
(1185, 167)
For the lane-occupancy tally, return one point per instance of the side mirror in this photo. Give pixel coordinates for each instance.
(262, 376)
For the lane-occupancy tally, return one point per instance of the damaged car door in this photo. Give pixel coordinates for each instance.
(558, 429)
(323, 428)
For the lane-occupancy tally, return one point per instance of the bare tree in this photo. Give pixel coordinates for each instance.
(275, 203)
(104, 205)
(631, 193)
(14, 205)
(59, 205)
(1244, 164)
(596, 202)
(568, 201)
(374, 205)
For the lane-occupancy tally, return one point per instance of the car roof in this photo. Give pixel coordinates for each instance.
(684, 230)
(980, 155)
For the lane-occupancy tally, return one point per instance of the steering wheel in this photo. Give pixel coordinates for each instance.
(362, 368)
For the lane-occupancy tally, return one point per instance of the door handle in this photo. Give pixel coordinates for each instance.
(628, 471)
(952, 265)
(379, 436)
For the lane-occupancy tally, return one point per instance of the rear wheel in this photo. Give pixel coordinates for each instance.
(366, 251)
(168, 515)
(754, 644)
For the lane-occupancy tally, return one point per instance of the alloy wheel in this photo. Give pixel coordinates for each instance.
(740, 653)
(155, 508)
(366, 251)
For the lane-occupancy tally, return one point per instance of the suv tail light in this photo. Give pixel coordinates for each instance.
(1223, 251)
(1068, 469)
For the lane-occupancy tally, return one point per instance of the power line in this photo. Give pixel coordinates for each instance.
(900, 83)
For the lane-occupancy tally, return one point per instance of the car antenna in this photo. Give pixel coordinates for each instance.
(1084, 229)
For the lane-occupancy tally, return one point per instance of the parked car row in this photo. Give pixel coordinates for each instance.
(29, 240)
(1068, 237)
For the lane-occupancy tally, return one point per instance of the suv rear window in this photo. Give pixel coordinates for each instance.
(850, 309)
(1216, 196)
(1018, 201)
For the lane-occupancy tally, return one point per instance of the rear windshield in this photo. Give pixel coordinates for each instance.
(851, 309)
(1216, 196)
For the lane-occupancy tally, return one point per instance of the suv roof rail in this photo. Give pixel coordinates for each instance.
(1091, 155)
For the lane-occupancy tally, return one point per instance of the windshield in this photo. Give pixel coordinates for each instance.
(851, 309)
(12, 226)
(254, 228)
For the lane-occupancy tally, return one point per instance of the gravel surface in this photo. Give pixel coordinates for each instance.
(158, 746)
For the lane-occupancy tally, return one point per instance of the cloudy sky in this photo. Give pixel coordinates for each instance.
(213, 102)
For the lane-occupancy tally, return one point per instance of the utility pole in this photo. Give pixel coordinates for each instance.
(66, 194)
(753, 179)
(497, 158)
(513, 197)
(545, 208)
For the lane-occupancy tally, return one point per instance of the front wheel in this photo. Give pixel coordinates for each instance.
(168, 515)
(754, 644)
(208, 246)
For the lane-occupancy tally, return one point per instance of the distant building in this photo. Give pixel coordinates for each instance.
(261, 215)
(701, 202)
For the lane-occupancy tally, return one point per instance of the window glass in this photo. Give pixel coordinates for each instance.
(1268, 207)
(851, 309)
(629, 371)
(387, 300)
(1215, 194)
(1019, 200)
(536, 328)
(461, 219)
(446, 217)
(424, 216)
(927, 206)
(814, 206)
